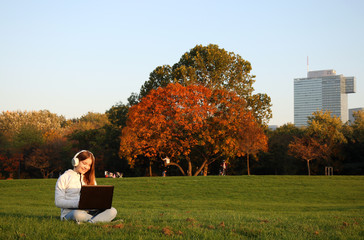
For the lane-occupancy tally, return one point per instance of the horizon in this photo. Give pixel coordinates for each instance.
(71, 58)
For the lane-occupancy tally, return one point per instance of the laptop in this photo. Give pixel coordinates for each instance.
(96, 197)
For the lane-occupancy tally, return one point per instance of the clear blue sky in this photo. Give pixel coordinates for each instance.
(71, 57)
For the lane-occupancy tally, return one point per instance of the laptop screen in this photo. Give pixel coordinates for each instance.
(96, 197)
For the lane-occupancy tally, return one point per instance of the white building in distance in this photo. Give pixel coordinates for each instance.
(322, 90)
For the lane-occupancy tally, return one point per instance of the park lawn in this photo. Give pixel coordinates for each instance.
(212, 207)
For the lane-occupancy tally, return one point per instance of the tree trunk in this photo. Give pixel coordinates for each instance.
(205, 169)
(177, 165)
(44, 173)
(247, 164)
(200, 169)
(308, 168)
(189, 168)
(150, 169)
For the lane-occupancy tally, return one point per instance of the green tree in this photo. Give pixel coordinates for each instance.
(100, 133)
(277, 160)
(354, 148)
(118, 113)
(160, 77)
(328, 131)
(358, 126)
(88, 132)
(27, 139)
(215, 68)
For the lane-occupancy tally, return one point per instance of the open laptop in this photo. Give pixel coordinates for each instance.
(96, 197)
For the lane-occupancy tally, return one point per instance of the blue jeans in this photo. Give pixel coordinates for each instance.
(92, 216)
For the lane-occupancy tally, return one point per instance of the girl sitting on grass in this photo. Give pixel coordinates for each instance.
(68, 187)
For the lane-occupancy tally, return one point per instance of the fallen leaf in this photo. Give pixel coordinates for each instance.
(167, 231)
(210, 227)
(118, 226)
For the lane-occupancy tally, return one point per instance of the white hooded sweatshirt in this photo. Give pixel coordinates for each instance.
(67, 192)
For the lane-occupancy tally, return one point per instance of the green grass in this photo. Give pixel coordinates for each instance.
(213, 207)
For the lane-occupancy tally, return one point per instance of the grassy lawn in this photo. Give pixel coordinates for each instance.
(213, 207)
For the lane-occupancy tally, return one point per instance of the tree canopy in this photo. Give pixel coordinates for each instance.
(327, 130)
(193, 123)
(308, 149)
(214, 68)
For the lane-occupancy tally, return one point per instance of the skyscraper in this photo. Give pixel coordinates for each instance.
(322, 90)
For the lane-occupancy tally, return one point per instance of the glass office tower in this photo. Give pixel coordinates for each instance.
(322, 90)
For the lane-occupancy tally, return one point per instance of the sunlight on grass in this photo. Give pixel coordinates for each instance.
(213, 207)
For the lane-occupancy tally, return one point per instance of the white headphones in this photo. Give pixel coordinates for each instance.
(75, 160)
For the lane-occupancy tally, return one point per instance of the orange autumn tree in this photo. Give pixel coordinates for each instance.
(192, 123)
(10, 164)
(307, 149)
(229, 122)
(252, 141)
(165, 123)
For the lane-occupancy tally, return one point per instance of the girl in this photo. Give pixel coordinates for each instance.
(68, 187)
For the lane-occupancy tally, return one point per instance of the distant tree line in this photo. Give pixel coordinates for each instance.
(186, 120)
(30, 148)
